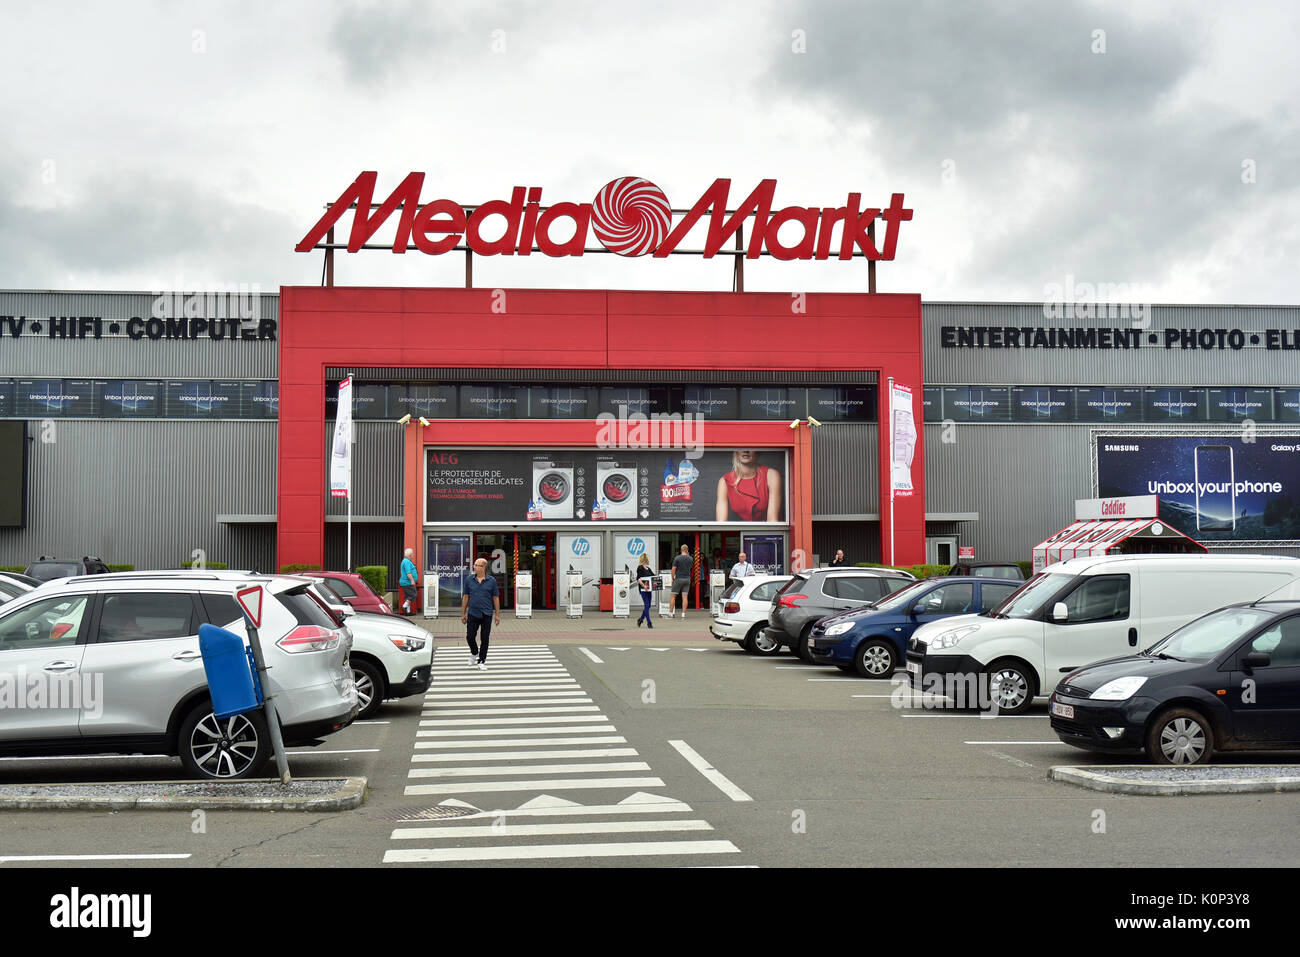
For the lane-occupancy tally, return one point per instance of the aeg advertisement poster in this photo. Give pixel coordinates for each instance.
(1211, 487)
(481, 486)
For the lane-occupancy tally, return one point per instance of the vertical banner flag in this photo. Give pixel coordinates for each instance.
(341, 454)
(904, 440)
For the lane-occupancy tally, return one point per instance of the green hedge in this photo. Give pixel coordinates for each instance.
(295, 569)
(1027, 568)
(376, 577)
(20, 569)
(206, 566)
(920, 571)
(121, 568)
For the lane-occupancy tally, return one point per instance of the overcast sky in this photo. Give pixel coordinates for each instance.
(177, 144)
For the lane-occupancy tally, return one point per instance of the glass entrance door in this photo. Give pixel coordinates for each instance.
(537, 555)
(499, 552)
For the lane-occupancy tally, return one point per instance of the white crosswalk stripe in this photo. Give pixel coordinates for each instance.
(523, 733)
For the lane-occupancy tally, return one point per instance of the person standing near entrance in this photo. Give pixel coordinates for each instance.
(480, 607)
(840, 560)
(407, 580)
(645, 581)
(682, 566)
(742, 568)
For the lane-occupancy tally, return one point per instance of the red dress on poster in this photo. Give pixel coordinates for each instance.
(748, 496)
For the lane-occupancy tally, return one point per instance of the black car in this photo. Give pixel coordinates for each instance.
(988, 570)
(47, 568)
(1228, 681)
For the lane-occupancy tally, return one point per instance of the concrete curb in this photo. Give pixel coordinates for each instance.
(1095, 778)
(348, 796)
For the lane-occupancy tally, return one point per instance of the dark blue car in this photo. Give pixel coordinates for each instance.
(871, 640)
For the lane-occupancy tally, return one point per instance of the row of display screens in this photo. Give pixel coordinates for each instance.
(259, 399)
(824, 403)
(979, 403)
(139, 399)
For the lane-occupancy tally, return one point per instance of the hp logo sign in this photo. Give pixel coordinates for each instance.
(581, 546)
(635, 546)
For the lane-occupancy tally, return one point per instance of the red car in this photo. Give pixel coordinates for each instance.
(355, 590)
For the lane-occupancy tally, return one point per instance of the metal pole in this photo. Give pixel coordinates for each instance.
(329, 259)
(352, 454)
(268, 702)
(889, 406)
(871, 263)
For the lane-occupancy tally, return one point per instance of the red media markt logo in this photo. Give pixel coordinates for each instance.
(631, 216)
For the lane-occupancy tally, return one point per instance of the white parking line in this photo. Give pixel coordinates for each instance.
(314, 751)
(590, 655)
(443, 712)
(24, 858)
(834, 679)
(711, 774)
(529, 755)
(1011, 742)
(355, 723)
(490, 771)
(563, 784)
(454, 831)
(487, 732)
(429, 706)
(525, 852)
(524, 742)
(557, 719)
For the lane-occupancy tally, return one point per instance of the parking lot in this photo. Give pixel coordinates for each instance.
(618, 749)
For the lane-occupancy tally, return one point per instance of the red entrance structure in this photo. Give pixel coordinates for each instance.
(323, 327)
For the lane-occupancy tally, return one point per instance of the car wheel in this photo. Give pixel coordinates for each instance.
(370, 687)
(1180, 736)
(761, 644)
(226, 749)
(874, 659)
(801, 645)
(1012, 686)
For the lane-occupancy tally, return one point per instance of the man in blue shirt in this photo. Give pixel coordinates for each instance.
(480, 607)
(407, 580)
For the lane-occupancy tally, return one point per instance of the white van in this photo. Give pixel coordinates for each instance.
(1080, 611)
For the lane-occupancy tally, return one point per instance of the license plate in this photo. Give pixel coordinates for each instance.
(1062, 710)
(913, 667)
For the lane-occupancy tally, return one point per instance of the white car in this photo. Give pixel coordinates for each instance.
(741, 614)
(391, 657)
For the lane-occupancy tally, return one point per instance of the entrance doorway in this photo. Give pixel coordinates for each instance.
(536, 553)
(941, 550)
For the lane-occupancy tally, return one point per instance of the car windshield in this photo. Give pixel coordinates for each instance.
(1205, 637)
(9, 590)
(731, 590)
(48, 571)
(1027, 600)
(900, 598)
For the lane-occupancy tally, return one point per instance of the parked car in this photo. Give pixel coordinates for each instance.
(11, 586)
(125, 648)
(741, 614)
(1084, 610)
(1228, 681)
(391, 657)
(873, 641)
(18, 578)
(989, 570)
(819, 592)
(48, 568)
(354, 590)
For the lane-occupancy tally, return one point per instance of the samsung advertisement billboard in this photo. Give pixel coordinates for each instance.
(1211, 487)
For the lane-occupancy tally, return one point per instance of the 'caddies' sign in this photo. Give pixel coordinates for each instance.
(630, 216)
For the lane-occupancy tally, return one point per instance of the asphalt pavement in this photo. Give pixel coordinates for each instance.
(619, 749)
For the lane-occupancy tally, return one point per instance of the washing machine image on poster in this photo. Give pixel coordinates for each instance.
(616, 491)
(554, 491)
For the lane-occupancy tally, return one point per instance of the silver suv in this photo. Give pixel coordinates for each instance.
(111, 664)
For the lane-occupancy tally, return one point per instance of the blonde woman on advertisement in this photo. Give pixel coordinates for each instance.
(750, 491)
(645, 582)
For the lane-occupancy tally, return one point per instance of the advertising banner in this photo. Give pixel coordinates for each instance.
(341, 451)
(629, 548)
(481, 486)
(1211, 487)
(904, 440)
(578, 554)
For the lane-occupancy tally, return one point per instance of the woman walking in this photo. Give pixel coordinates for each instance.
(644, 581)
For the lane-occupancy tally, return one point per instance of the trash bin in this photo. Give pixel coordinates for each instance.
(231, 679)
(606, 596)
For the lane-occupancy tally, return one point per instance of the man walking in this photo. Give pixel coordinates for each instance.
(742, 568)
(407, 580)
(480, 607)
(682, 565)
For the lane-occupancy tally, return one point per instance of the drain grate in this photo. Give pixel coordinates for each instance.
(427, 813)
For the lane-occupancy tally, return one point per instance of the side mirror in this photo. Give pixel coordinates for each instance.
(1256, 659)
(1060, 612)
(918, 608)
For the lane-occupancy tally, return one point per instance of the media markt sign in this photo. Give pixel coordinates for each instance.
(630, 216)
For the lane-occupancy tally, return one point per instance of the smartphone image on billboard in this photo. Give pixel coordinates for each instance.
(1216, 484)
